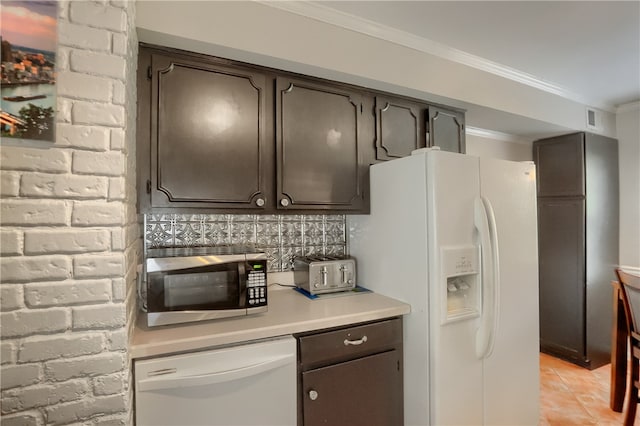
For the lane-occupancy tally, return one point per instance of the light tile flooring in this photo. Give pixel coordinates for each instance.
(572, 395)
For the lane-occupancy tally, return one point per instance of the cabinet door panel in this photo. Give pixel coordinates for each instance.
(446, 129)
(561, 244)
(318, 146)
(208, 143)
(560, 163)
(399, 127)
(366, 391)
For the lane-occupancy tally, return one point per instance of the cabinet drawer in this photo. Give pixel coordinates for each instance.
(349, 343)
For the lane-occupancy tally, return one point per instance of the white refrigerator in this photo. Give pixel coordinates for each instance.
(455, 236)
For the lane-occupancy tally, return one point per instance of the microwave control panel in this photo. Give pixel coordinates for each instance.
(256, 284)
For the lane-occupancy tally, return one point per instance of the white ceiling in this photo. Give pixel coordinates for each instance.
(586, 50)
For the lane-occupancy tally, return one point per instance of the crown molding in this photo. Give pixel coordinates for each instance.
(495, 135)
(383, 32)
(631, 106)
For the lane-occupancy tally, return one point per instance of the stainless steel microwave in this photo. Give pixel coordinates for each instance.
(203, 283)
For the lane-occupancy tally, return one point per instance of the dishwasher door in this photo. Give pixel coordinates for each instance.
(251, 384)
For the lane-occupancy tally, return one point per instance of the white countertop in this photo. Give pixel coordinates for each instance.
(289, 312)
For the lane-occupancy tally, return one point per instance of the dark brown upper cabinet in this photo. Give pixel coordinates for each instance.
(446, 129)
(560, 162)
(319, 151)
(400, 127)
(229, 137)
(206, 126)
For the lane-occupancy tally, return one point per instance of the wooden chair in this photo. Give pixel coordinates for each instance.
(630, 285)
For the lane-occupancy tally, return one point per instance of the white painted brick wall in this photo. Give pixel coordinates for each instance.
(42, 348)
(98, 63)
(99, 317)
(32, 418)
(8, 352)
(95, 113)
(78, 410)
(98, 265)
(63, 186)
(11, 297)
(108, 385)
(66, 241)
(83, 86)
(89, 366)
(24, 269)
(98, 163)
(83, 137)
(98, 15)
(83, 37)
(9, 184)
(38, 395)
(69, 236)
(42, 321)
(10, 242)
(29, 212)
(20, 375)
(71, 292)
(35, 159)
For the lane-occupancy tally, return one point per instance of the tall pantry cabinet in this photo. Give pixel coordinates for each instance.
(578, 203)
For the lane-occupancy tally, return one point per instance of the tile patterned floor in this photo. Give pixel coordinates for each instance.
(572, 395)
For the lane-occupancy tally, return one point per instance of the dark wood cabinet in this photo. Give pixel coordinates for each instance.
(206, 125)
(562, 275)
(560, 163)
(352, 375)
(577, 181)
(400, 127)
(446, 129)
(230, 137)
(320, 161)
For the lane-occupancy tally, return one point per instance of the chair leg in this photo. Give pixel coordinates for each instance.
(632, 394)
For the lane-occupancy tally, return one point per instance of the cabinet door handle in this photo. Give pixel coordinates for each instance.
(348, 342)
(313, 395)
(284, 202)
(260, 202)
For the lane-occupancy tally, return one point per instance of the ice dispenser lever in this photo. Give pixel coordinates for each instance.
(460, 276)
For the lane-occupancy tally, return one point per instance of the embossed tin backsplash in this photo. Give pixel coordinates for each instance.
(281, 236)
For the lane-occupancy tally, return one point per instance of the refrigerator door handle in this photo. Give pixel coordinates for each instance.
(485, 223)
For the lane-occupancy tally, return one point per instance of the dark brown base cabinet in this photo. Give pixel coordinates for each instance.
(352, 376)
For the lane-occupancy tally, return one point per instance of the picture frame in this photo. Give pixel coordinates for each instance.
(28, 70)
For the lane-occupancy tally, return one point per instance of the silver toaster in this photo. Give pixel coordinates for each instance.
(324, 274)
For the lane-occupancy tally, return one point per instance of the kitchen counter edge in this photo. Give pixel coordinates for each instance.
(289, 313)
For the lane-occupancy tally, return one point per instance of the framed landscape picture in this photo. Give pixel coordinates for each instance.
(28, 57)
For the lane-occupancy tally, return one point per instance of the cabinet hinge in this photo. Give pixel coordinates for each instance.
(149, 73)
(148, 187)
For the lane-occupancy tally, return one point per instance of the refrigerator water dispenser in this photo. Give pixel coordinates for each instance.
(461, 279)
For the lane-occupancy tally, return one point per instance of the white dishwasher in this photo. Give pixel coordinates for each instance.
(251, 384)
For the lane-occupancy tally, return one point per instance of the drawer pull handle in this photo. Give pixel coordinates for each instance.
(348, 342)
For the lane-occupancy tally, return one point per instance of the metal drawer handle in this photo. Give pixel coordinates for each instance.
(355, 342)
